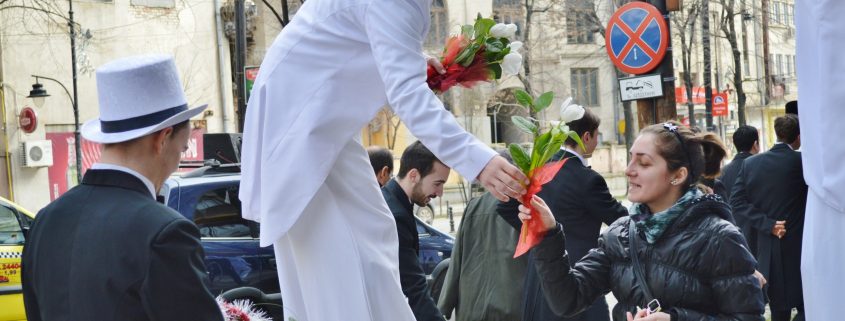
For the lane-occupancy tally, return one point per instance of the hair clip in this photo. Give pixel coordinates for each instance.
(670, 127)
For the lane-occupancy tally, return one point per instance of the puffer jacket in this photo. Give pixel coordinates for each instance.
(699, 269)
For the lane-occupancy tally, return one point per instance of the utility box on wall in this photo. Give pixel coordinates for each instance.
(37, 153)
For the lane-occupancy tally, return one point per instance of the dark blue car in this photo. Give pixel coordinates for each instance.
(209, 197)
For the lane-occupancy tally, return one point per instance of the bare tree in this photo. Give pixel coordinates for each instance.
(728, 28)
(685, 29)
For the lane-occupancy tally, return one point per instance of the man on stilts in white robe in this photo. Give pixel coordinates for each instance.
(306, 177)
(820, 44)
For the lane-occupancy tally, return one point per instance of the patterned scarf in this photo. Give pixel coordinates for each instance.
(655, 224)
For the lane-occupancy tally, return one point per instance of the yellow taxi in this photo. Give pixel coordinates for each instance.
(13, 221)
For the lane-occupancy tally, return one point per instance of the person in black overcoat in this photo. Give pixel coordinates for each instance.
(420, 179)
(770, 192)
(746, 141)
(581, 201)
(106, 250)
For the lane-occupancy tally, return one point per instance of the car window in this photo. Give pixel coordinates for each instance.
(218, 214)
(421, 228)
(10, 228)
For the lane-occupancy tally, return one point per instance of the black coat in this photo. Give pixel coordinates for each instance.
(770, 187)
(411, 274)
(728, 178)
(106, 250)
(699, 269)
(581, 201)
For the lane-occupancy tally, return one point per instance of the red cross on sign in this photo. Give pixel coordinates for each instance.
(637, 38)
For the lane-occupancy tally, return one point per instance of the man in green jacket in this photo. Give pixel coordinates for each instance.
(484, 281)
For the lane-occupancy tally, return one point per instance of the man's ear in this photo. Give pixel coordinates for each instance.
(160, 139)
(413, 175)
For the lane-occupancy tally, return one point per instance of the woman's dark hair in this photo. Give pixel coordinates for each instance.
(701, 154)
(588, 123)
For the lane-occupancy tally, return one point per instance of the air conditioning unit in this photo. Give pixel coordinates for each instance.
(37, 153)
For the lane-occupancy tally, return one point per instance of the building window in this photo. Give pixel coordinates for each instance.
(584, 84)
(780, 65)
(774, 12)
(789, 69)
(579, 26)
(510, 11)
(439, 29)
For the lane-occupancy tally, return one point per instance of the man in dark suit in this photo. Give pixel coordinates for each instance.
(746, 140)
(382, 160)
(580, 200)
(771, 194)
(106, 250)
(421, 177)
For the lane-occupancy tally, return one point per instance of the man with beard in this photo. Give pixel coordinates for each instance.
(420, 179)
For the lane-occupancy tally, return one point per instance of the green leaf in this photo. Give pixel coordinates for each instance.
(466, 56)
(540, 145)
(524, 124)
(520, 158)
(523, 98)
(554, 146)
(467, 31)
(574, 136)
(543, 101)
(497, 71)
(482, 27)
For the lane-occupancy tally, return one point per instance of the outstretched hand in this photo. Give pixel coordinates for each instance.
(540, 206)
(502, 179)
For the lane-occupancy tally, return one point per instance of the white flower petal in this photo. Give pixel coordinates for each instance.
(515, 46)
(499, 30)
(512, 64)
(570, 112)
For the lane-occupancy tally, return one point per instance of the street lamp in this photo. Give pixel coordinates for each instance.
(38, 93)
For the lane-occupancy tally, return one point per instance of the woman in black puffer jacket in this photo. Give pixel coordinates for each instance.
(694, 260)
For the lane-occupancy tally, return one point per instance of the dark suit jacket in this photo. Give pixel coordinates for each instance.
(728, 178)
(106, 250)
(581, 202)
(770, 187)
(411, 274)
(730, 171)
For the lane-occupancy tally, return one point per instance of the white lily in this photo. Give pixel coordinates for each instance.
(515, 46)
(570, 112)
(512, 64)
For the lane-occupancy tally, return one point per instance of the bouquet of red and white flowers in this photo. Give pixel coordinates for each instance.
(240, 310)
(535, 163)
(480, 53)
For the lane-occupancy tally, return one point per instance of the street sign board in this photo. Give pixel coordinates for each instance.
(637, 37)
(720, 104)
(640, 87)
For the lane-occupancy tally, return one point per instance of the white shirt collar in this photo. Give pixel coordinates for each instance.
(787, 145)
(566, 149)
(143, 178)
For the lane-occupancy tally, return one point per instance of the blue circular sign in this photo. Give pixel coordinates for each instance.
(637, 38)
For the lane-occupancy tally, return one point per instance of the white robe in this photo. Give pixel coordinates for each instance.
(325, 76)
(821, 73)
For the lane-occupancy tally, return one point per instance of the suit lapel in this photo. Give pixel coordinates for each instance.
(114, 178)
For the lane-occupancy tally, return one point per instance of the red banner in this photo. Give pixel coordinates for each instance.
(698, 97)
(62, 175)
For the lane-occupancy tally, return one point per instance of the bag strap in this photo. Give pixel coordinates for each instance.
(633, 245)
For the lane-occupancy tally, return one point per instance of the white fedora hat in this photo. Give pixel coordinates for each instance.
(138, 96)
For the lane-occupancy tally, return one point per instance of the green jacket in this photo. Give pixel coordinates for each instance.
(484, 281)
